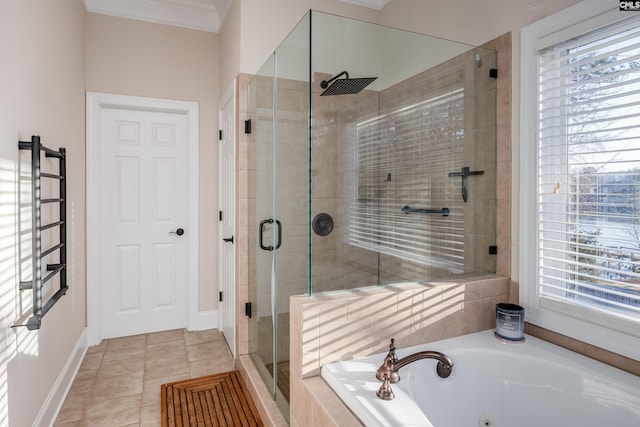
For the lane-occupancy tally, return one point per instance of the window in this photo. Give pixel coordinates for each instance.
(581, 230)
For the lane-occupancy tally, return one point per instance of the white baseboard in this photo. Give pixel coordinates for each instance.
(52, 405)
(207, 320)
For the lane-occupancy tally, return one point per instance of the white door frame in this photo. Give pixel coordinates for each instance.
(228, 97)
(96, 102)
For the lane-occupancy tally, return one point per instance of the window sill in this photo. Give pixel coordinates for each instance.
(605, 356)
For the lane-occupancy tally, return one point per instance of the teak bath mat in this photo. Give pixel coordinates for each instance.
(215, 400)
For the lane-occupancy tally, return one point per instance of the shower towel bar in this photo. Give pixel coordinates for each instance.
(37, 281)
(443, 211)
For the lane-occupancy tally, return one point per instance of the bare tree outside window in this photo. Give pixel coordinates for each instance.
(592, 133)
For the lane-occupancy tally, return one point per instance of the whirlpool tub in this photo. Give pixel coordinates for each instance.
(529, 384)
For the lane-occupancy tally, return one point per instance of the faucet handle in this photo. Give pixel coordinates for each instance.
(385, 392)
(392, 351)
(387, 369)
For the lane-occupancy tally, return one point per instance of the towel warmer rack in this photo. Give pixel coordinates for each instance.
(37, 282)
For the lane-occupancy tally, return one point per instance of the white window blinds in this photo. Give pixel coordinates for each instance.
(403, 159)
(589, 176)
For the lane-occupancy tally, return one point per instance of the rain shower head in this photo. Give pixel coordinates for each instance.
(346, 86)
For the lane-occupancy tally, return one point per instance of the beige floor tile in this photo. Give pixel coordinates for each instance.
(91, 363)
(118, 384)
(73, 408)
(108, 388)
(69, 424)
(167, 350)
(113, 412)
(82, 384)
(166, 336)
(150, 416)
(100, 348)
(126, 345)
(198, 337)
(200, 351)
(200, 368)
(166, 367)
(114, 366)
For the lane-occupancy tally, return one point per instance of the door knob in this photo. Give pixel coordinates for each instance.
(230, 239)
(179, 232)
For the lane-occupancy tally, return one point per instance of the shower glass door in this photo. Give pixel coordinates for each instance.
(261, 197)
(279, 105)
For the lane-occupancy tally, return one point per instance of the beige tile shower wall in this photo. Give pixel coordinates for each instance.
(502, 45)
(339, 265)
(480, 155)
(477, 151)
(336, 326)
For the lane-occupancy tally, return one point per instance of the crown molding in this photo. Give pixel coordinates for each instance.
(195, 14)
(371, 4)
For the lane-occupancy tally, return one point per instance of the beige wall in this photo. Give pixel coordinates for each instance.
(42, 92)
(144, 59)
(265, 24)
(230, 46)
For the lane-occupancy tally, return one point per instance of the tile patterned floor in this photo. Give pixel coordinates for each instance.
(119, 381)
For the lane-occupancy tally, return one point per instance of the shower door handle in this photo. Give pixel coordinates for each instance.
(261, 233)
(279, 224)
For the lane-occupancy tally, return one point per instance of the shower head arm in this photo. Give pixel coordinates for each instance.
(325, 83)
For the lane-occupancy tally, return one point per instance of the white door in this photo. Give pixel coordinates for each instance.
(226, 196)
(143, 213)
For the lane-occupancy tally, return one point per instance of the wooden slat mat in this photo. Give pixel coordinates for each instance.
(216, 400)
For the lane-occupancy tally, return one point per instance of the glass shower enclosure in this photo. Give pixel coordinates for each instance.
(372, 164)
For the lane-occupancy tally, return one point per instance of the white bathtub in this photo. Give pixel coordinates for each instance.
(531, 384)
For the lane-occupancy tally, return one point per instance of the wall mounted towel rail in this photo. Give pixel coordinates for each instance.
(443, 211)
(37, 282)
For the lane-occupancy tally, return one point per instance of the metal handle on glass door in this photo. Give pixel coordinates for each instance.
(279, 224)
(261, 232)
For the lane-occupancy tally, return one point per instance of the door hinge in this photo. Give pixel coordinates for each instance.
(247, 126)
(220, 134)
(220, 296)
(247, 309)
(219, 215)
(493, 250)
(493, 73)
